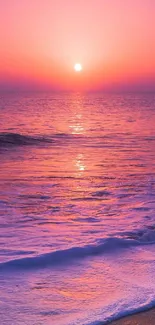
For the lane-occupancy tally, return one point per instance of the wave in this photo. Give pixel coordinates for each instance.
(10, 139)
(70, 255)
(16, 139)
(121, 313)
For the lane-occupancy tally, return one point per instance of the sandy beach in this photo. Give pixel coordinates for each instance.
(143, 318)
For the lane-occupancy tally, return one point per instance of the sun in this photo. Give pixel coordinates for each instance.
(78, 67)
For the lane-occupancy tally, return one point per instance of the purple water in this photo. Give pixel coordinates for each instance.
(77, 207)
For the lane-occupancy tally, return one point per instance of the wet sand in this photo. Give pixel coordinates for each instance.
(143, 318)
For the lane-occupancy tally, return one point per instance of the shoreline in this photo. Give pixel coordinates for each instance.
(141, 318)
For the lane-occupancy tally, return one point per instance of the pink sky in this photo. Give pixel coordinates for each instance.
(41, 40)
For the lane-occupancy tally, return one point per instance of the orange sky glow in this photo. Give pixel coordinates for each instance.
(42, 40)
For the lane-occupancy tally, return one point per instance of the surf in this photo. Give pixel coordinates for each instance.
(111, 245)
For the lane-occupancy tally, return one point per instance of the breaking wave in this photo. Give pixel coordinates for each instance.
(70, 255)
(10, 139)
(15, 139)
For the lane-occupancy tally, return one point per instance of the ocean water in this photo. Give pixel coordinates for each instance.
(77, 207)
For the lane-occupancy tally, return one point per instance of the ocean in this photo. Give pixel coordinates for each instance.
(77, 207)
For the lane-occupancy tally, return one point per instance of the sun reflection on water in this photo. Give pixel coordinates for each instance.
(77, 126)
(80, 165)
(77, 121)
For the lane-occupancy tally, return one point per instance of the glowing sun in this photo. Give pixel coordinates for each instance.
(77, 67)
